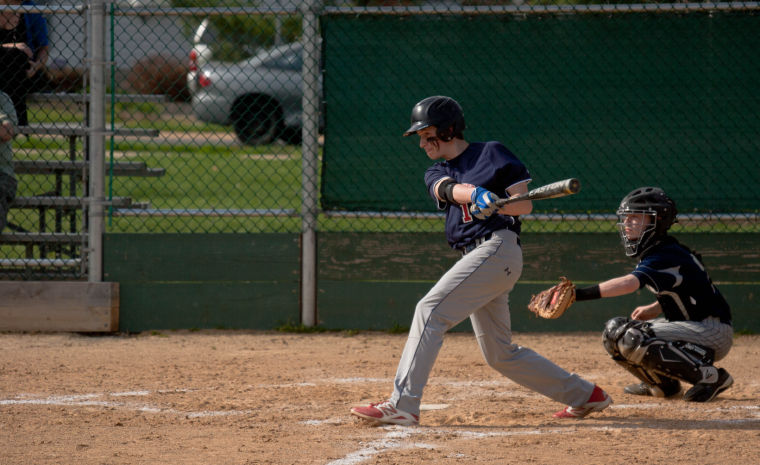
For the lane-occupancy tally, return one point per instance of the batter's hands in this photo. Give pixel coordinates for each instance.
(483, 203)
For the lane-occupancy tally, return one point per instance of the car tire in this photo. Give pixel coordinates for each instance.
(257, 119)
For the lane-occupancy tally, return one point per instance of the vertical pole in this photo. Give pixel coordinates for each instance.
(278, 30)
(309, 160)
(96, 137)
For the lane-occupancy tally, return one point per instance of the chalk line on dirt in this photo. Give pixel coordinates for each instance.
(398, 436)
(394, 439)
(94, 400)
(425, 407)
(130, 393)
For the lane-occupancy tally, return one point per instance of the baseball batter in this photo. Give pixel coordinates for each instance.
(695, 325)
(465, 184)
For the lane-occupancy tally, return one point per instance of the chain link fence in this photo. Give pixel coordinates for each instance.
(205, 115)
(617, 96)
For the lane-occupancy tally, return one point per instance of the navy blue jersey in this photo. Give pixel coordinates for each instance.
(490, 165)
(683, 287)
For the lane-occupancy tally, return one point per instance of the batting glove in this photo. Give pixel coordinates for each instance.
(483, 203)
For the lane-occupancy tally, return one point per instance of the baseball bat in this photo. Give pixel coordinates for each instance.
(549, 191)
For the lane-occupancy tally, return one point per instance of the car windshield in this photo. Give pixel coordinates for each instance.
(285, 57)
(206, 33)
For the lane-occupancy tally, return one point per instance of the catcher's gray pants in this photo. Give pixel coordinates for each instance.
(709, 332)
(478, 286)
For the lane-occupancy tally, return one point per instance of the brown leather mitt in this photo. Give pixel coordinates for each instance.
(552, 303)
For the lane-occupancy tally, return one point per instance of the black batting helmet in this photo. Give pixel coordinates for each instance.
(650, 201)
(442, 112)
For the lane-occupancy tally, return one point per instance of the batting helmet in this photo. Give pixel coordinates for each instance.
(651, 201)
(442, 112)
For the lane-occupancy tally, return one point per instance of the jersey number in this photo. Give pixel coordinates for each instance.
(466, 215)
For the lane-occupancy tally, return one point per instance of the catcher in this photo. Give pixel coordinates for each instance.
(694, 328)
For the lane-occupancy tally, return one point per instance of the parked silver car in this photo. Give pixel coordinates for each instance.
(201, 53)
(260, 97)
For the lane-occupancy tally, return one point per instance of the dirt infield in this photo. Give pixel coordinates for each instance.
(229, 397)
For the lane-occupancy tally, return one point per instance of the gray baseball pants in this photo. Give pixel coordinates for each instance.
(709, 332)
(478, 286)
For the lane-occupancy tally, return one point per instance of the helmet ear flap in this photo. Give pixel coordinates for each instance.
(666, 216)
(445, 134)
(452, 131)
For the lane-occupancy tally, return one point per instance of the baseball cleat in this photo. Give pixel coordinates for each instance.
(705, 392)
(385, 412)
(661, 390)
(598, 401)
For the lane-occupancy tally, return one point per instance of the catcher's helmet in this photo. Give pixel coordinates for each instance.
(442, 112)
(651, 202)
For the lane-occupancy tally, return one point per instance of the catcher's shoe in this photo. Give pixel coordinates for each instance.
(704, 392)
(598, 401)
(669, 389)
(385, 412)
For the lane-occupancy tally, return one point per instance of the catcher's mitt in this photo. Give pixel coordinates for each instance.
(552, 303)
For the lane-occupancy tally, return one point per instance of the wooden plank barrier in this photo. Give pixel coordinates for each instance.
(51, 306)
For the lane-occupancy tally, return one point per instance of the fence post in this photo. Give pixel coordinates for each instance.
(96, 141)
(309, 160)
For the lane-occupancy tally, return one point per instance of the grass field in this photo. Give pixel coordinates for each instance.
(207, 169)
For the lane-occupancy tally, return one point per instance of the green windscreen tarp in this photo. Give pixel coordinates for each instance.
(617, 100)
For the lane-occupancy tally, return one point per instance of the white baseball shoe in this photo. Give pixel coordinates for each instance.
(598, 401)
(385, 412)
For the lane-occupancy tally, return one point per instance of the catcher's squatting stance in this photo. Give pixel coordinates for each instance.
(477, 285)
(696, 329)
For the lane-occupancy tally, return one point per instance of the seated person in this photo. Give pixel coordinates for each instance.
(8, 182)
(23, 54)
(38, 42)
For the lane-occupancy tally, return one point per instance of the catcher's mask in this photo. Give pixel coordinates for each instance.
(442, 112)
(658, 213)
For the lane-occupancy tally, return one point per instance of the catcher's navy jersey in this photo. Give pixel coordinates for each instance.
(490, 165)
(683, 287)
